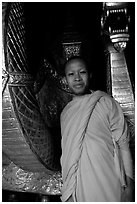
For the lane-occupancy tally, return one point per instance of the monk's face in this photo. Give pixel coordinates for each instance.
(77, 76)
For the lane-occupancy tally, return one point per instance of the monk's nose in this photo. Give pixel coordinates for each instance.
(77, 77)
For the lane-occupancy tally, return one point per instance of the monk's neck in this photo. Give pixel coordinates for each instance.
(83, 95)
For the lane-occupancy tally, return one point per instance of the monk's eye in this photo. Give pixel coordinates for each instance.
(70, 74)
(83, 72)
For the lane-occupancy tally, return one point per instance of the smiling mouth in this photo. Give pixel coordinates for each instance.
(78, 85)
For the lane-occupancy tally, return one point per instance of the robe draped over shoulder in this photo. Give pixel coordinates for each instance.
(87, 126)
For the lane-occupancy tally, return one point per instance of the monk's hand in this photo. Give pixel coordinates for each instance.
(127, 192)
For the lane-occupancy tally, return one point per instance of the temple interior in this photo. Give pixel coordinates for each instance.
(48, 24)
(48, 27)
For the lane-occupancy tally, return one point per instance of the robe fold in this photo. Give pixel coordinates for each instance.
(88, 124)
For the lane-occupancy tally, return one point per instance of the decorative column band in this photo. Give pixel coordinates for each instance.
(20, 79)
(121, 84)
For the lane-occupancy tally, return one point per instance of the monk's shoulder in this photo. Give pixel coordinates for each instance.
(107, 101)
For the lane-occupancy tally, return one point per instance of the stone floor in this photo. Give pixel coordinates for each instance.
(12, 196)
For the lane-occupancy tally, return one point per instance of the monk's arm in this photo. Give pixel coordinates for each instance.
(128, 166)
(120, 132)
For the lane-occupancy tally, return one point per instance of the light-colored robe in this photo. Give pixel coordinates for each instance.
(88, 124)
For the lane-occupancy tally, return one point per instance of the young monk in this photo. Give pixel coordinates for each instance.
(91, 125)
